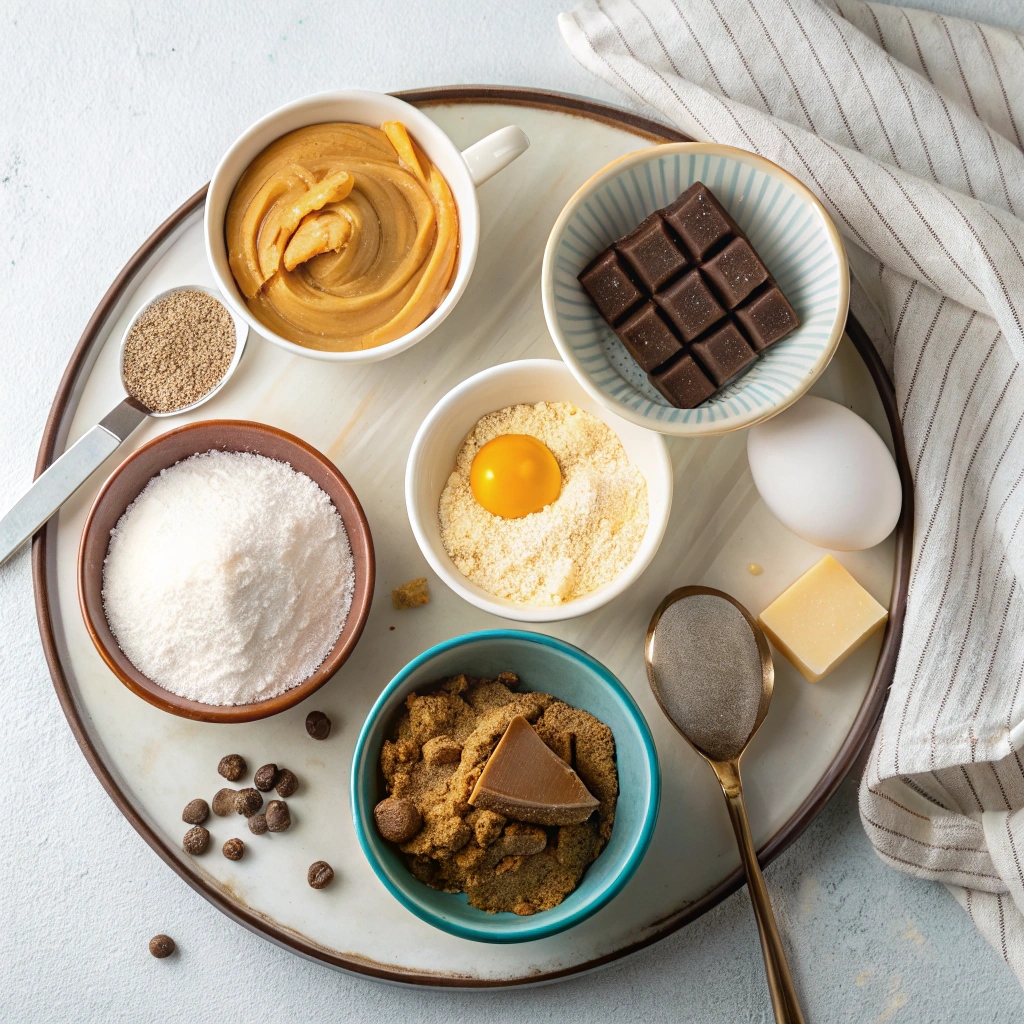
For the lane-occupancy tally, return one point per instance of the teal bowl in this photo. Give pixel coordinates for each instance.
(785, 223)
(551, 666)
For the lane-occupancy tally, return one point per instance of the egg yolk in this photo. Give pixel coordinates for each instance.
(514, 475)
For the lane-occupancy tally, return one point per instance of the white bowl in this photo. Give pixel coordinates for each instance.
(785, 223)
(463, 172)
(441, 435)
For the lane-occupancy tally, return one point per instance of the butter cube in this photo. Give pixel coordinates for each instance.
(821, 619)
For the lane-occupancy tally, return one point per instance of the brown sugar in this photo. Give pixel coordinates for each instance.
(501, 864)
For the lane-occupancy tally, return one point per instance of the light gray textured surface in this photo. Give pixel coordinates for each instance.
(113, 115)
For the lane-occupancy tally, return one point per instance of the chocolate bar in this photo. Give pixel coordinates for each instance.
(689, 298)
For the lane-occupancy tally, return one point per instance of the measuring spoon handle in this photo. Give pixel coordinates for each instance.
(60, 480)
(780, 981)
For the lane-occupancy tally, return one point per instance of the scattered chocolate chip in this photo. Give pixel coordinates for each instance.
(318, 725)
(258, 824)
(224, 802)
(248, 802)
(233, 849)
(163, 945)
(232, 767)
(397, 819)
(320, 874)
(265, 777)
(196, 812)
(196, 840)
(278, 816)
(286, 783)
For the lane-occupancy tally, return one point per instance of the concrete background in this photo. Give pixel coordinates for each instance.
(113, 114)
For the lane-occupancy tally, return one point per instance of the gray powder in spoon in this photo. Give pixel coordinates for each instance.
(707, 672)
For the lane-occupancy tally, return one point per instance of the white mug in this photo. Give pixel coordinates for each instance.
(463, 171)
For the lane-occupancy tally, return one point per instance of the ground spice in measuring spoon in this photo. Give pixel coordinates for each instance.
(178, 351)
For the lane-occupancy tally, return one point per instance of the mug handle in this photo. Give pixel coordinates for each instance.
(495, 152)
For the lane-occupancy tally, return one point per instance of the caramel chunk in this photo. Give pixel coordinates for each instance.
(411, 595)
(397, 820)
(525, 779)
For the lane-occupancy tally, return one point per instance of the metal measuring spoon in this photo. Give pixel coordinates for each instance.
(711, 670)
(61, 479)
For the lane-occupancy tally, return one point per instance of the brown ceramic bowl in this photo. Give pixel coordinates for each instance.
(125, 485)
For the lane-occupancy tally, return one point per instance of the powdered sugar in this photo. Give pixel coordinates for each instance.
(229, 579)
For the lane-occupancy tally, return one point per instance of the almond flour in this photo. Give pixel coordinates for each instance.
(579, 542)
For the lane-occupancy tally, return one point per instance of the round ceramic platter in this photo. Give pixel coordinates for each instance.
(364, 419)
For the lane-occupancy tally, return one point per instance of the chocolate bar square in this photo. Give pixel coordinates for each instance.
(651, 253)
(768, 318)
(649, 340)
(724, 353)
(735, 272)
(683, 383)
(700, 220)
(689, 305)
(610, 287)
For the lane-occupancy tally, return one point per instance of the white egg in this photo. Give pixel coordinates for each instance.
(826, 475)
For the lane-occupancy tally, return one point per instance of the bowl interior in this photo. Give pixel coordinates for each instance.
(551, 666)
(785, 225)
(358, 107)
(527, 381)
(125, 485)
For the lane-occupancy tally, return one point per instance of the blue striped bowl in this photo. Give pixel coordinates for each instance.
(784, 222)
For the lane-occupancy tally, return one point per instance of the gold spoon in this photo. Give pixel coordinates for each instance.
(710, 668)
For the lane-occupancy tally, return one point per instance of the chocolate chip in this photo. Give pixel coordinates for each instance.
(163, 945)
(397, 819)
(286, 783)
(320, 874)
(233, 849)
(232, 767)
(278, 816)
(265, 777)
(318, 725)
(224, 802)
(196, 812)
(248, 802)
(258, 824)
(196, 840)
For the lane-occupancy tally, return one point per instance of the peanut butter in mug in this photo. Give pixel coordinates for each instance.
(342, 237)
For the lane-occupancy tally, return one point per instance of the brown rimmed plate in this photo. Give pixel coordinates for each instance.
(124, 486)
(364, 422)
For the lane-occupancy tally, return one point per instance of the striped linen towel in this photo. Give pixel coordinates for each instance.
(908, 127)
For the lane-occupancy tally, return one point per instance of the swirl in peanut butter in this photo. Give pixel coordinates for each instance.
(342, 237)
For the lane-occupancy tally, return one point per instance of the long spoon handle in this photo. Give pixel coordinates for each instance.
(780, 981)
(59, 481)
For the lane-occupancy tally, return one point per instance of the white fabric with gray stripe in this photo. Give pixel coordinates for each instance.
(908, 127)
